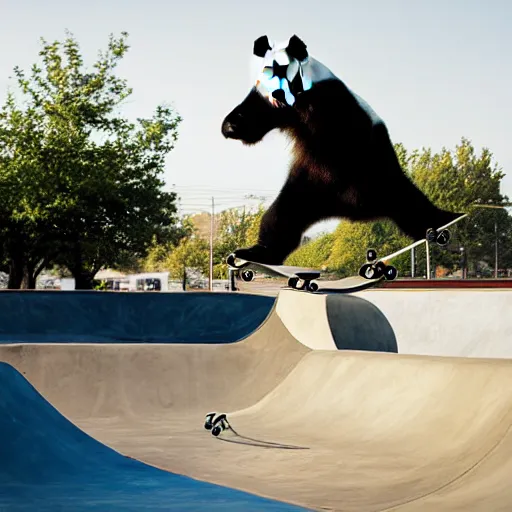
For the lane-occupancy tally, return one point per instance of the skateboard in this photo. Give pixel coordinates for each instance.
(299, 278)
(372, 272)
(216, 423)
(304, 279)
(375, 267)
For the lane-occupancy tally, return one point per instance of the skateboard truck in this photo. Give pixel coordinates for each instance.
(307, 281)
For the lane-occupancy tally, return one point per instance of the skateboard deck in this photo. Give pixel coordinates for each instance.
(298, 277)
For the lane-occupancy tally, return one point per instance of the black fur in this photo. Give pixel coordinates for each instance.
(261, 46)
(344, 165)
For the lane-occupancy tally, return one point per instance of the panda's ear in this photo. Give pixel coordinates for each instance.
(297, 49)
(261, 46)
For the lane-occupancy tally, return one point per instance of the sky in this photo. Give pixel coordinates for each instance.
(435, 71)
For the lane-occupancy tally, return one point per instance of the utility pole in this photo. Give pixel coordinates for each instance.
(211, 244)
(496, 249)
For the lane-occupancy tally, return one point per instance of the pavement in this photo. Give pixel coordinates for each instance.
(332, 401)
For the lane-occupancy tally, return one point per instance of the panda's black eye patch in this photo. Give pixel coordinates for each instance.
(279, 70)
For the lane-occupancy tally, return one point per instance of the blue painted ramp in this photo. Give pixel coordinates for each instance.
(95, 317)
(48, 464)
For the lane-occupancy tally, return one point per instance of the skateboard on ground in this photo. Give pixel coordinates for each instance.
(216, 423)
(299, 278)
(376, 268)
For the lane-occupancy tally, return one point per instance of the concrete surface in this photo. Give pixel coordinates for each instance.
(48, 464)
(313, 426)
(330, 322)
(447, 322)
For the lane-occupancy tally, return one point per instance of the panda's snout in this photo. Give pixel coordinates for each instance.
(228, 129)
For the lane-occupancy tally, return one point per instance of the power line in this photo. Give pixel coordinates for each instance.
(223, 189)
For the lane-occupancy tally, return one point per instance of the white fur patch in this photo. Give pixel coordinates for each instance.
(310, 71)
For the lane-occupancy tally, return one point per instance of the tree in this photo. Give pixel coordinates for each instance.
(458, 180)
(86, 181)
(254, 227)
(236, 228)
(190, 254)
(352, 239)
(313, 253)
(156, 257)
(455, 180)
(25, 230)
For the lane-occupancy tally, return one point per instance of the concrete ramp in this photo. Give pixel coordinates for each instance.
(48, 464)
(335, 322)
(357, 429)
(380, 432)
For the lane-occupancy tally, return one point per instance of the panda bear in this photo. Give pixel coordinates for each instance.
(343, 161)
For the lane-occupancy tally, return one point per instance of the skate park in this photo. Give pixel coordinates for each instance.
(386, 399)
(140, 371)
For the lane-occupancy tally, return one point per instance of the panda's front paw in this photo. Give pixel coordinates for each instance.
(258, 254)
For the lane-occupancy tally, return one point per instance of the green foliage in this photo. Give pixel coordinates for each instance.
(352, 239)
(453, 180)
(80, 184)
(190, 254)
(236, 229)
(254, 227)
(314, 253)
(457, 180)
(156, 257)
(232, 229)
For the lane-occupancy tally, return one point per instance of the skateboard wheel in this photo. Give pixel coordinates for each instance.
(208, 421)
(443, 237)
(293, 282)
(431, 235)
(380, 269)
(312, 287)
(367, 271)
(391, 273)
(220, 424)
(247, 275)
(371, 255)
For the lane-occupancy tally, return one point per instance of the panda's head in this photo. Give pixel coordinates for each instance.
(282, 71)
